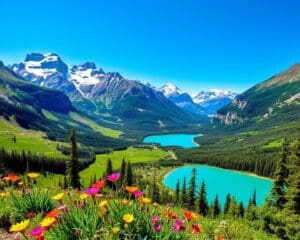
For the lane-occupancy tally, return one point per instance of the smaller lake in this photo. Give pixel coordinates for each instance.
(222, 181)
(181, 140)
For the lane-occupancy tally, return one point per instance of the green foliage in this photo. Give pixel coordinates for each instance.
(177, 192)
(129, 175)
(215, 208)
(183, 194)
(191, 190)
(202, 200)
(227, 203)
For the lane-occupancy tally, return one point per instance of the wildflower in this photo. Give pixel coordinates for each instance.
(102, 213)
(3, 194)
(92, 191)
(155, 219)
(76, 234)
(178, 226)
(84, 196)
(169, 213)
(33, 175)
(219, 238)
(155, 204)
(115, 230)
(31, 214)
(170, 204)
(189, 215)
(20, 184)
(131, 189)
(126, 226)
(157, 227)
(123, 201)
(103, 204)
(53, 214)
(62, 207)
(113, 177)
(138, 193)
(128, 218)
(58, 197)
(20, 227)
(145, 200)
(36, 232)
(47, 222)
(13, 177)
(99, 184)
(196, 228)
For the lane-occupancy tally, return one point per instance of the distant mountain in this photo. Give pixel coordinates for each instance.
(94, 91)
(273, 102)
(181, 99)
(214, 99)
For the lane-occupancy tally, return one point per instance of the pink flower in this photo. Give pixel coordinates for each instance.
(157, 227)
(138, 193)
(36, 231)
(178, 226)
(155, 219)
(113, 177)
(92, 191)
(62, 207)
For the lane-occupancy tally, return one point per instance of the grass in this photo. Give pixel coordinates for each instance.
(28, 140)
(103, 130)
(134, 155)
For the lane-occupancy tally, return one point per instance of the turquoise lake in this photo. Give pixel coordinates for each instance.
(222, 181)
(182, 140)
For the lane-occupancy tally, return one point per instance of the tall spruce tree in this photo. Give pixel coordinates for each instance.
(253, 199)
(191, 191)
(183, 194)
(232, 211)
(292, 205)
(155, 190)
(215, 208)
(202, 200)
(122, 171)
(279, 186)
(177, 192)
(129, 175)
(227, 203)
(109, 170)
(240, 210)
(72, 165)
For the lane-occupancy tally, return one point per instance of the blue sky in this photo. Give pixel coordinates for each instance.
(197, 45)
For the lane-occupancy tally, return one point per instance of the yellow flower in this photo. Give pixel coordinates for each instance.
(115, 230)
(123, 201)
(126, 226)
(3, 194)
(19, 227)
(128, 218)
(84, 196)
(58, 197)
(103, 204)
(155, 204)
(47, 222)
(21, 184)
(33, 175)
(145, 200)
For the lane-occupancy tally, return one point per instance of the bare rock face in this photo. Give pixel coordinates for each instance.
(229, 118)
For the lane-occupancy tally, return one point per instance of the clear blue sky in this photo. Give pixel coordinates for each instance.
(198, 44)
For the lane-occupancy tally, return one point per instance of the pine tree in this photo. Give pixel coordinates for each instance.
(122, 171)
(202, 200)
(292, 205)
(129, 175)
(72, 164)
(191, 191)
(155, 190)
(253, 199)
(232, 210)
(227, 203)
(216, 209)
(183, 194)
(109, 170)
(240, 210)
(177, 192)
(278, 191)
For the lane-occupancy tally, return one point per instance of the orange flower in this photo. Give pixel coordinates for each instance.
(196, 228)
(189, 215)
(123, 201)
(145, 200)
(13, 177)
(53, 214)
(99, 184)
(131, 189)
(169, 213)
(219, 238)
(102, 213)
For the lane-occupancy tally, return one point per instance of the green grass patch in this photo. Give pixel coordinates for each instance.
(103, 130)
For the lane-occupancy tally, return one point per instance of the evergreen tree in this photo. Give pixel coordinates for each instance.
(232, 210)
(216, 209)
(129, 175)
(253, 200)
(177, 192)
(191, 191)
(109, 170)
(278, 191)
(122, 171)
(183, 194)
(155, 190)
(72, 164)
(292, 205)
(240, 210)
(227, 203)
(202, 200)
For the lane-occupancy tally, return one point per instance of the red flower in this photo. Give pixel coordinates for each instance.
(13, 177)
(196, 228)
(189, 215)
(99, 184)
(53, 214)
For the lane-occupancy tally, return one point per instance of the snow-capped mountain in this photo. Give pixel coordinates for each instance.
(93, 90)
(181, 99)
(214, 99)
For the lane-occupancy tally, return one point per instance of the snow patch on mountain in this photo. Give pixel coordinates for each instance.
(213, 94)
(169, 89)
